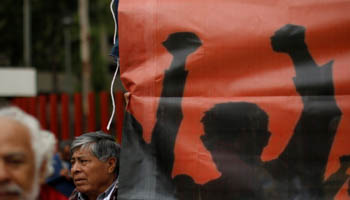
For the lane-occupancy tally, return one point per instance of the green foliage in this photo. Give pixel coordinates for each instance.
(100, 18)
(11, 32)
(48, 33)
(47, 36)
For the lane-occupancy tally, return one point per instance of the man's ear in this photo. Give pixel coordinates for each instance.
(42, 172)
(112, 164)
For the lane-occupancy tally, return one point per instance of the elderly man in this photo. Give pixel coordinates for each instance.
(25, 155)
(95, 166)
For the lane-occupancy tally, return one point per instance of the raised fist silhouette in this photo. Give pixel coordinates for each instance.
(288, 38)
(182, 43)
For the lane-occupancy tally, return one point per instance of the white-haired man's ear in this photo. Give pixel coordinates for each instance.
(43, 172)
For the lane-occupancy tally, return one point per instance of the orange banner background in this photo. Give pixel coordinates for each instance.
(235, 63)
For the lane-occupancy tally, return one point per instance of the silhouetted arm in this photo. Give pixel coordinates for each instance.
(169, 113)
(334, 183)
(154, 162)
(308, 150)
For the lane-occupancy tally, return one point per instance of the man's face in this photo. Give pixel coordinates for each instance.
(17, 165)
(66, 153)
(90, 175)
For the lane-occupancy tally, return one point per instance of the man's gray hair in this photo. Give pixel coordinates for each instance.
(43, 142)
(100, 144)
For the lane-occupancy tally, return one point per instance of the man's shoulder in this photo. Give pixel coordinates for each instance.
(74, 195)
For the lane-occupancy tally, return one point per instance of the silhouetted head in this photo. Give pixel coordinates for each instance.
(64, 150)
(236, 127)
(182, 43)
(288, 38)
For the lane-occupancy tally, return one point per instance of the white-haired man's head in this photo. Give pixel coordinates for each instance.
(26, 153)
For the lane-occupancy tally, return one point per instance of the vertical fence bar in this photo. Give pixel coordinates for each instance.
(26, 104)
(119, 117)
(104, 110)
(23, 104)
(92, 112)
(19, 102)
(65, 117)
(32, 110)
(14, 102)
(42, 111)
(53, 115)
(78, 114)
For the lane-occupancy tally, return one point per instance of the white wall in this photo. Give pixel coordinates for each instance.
(17, 82)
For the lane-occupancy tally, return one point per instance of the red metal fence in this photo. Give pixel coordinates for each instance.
(63, 115)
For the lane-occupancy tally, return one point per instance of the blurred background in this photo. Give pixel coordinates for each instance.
(55, 63)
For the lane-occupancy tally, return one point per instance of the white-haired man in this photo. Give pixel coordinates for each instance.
(25, 155)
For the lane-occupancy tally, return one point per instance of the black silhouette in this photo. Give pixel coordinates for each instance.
(235, 135)
(334, 183)
(309, 148)
(156, 160)
(169, 113)
(349, 188)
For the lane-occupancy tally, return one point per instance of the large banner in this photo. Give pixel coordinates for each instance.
(235, 99)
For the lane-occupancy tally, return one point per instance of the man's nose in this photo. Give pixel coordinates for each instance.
(75, 168)
(4, 174)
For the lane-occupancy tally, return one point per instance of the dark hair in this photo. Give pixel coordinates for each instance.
(101, 145)
(62, 144)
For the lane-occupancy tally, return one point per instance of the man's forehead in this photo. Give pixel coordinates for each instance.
(8, 124)
(14, 135)
(82, 152)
